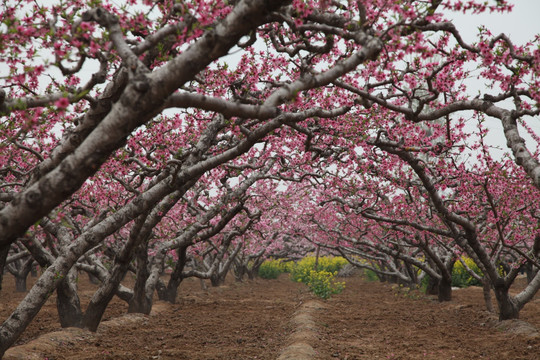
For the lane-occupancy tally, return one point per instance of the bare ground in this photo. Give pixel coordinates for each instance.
(266, 319)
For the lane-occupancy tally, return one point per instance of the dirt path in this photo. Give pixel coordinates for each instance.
(256, 320)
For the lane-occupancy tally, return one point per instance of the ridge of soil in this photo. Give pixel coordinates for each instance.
(305, 333)
(256, 320)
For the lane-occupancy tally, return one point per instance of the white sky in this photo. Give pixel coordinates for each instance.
(521, 24)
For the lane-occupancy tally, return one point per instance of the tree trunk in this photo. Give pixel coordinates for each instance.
(487, 294)
(508, 309)
(100, 300)
(21, 274)
(444, 289)
(3, 257)
(140, 303)
(432, 286)
(216, 280)
(411, 273)
(204, 287)
(316, 267)
(20, 283)
(93, 279)
(252, 273)
(94, 314)
(239, 272)
(171, 291)
(33, 271)
(67, 301)
(530, 271)
(102, 297)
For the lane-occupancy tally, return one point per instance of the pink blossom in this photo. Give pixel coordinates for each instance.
(62, 103)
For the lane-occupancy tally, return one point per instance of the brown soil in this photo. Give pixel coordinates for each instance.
(266, 319)
(381, 321)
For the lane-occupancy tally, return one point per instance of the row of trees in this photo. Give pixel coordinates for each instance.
(132, 142)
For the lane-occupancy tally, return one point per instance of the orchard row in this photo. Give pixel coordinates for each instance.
(201, 137)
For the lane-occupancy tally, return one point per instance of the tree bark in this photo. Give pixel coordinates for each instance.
(486, 286)
(239, 272)
(316, 267)
(204, 287)
(20, 283)
(171, 291)
(220, 275)
(432, 286)
(444, 289)
(101, 298)
(530, 271)
(20, 269)
(508, 308)
(217, 280)
(3, 257)
(139, 234)
(254, 271)
(93, 279)
(444, 286)
(140, 303)
(67, 301)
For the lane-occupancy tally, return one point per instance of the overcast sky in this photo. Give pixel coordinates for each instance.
(521, 24)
